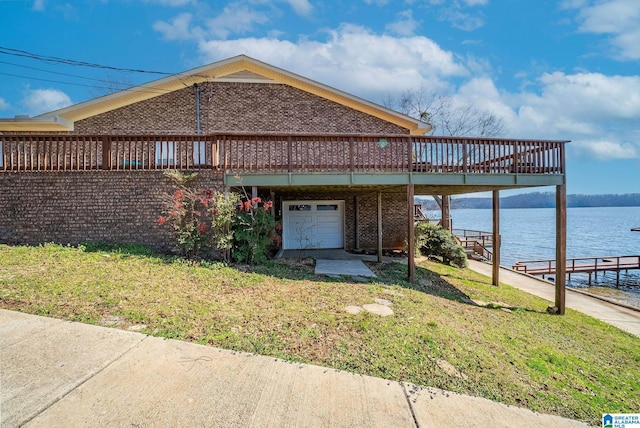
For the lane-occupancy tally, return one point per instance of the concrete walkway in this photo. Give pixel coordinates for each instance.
(60, 374)
(624, 318)
(355, 268)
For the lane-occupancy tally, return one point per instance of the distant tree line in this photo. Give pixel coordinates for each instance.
(538, 200)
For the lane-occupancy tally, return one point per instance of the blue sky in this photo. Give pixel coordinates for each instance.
(566, 69)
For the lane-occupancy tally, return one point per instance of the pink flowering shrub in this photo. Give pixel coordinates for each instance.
(187, 211)
(240, 229)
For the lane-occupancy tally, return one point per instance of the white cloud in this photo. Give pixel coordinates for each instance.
(594, 96)
(607, 149)
(171, 3)
(617, 18)
(177, 29)
(38, 5)
(462, 21)
(484, 94)
(301, 7)
(353, 59)
(573, 4)
(235, 19)
(39, 101)
(4, 105)
(599, 113)
(405, 25)
(610, 16)
(459, 13)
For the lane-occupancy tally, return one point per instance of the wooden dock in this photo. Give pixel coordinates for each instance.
(586, 265)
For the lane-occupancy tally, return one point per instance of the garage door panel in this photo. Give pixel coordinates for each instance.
(313, 224)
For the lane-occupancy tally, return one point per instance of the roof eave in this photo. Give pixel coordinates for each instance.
(53, 123)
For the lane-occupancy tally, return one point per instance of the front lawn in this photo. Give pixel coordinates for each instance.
(450, 329)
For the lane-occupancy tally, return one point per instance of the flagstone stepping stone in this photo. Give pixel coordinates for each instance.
(378, 309)
(355, 310)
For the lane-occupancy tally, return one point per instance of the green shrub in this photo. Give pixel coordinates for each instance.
(254, 231)
(223, 210)
(434, 241)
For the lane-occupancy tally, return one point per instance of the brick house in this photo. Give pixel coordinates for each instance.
(342, 171)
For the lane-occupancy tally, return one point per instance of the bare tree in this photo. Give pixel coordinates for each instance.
(446, 118)
(445, 115)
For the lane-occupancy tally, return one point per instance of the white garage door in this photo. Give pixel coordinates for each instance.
(312, 224)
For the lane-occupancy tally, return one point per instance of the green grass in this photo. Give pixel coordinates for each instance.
(510, 350)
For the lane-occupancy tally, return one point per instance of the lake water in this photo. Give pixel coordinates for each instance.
(529, 234)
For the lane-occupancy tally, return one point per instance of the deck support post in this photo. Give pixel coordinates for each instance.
(356, 215)
(495, 278)
(561, 246)
(411, 250)
(379, 226)
(446, 212)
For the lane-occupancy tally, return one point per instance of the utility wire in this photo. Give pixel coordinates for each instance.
(131, 88)
(72, 62)
(53, 59)
(65, 74)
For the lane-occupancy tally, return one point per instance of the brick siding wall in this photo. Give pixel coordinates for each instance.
(92, 206)
(237, 107)
(394, 220)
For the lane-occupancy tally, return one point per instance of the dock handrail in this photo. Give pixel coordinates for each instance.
(475, 240)
(482, 251)
(483, 238)
(579, 264)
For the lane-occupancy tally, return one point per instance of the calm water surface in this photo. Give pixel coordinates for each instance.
(529, 234)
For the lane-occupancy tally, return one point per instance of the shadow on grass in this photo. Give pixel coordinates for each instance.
(435, 284)
(388, 274)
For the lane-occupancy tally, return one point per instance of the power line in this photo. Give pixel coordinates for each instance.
(131, 88)
(72, 62)
(64, 74)
(66, 61)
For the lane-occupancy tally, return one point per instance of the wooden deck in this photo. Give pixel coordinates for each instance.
(285, 153)
(586, 265)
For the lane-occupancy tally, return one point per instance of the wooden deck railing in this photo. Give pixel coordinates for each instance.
(467, 235)
(475, 240)
(243, 153)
